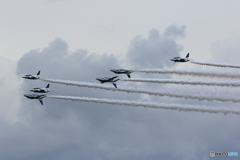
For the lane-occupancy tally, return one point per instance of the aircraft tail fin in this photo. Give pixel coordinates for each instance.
(38, 73)
(41, 101)
(48, 86)
(187, 56)
(114, 85)
(128, 75)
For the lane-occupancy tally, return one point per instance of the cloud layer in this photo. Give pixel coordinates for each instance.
(157, 49)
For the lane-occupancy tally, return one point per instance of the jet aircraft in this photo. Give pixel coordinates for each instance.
(122, 71)
(110, 80)
(36, 96)
(179, 59)
(29, 76)
(41, 90)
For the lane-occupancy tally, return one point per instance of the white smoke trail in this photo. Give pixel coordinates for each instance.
(220, 74)
(183, 82)
(178, 107)
(216, 64)
(175, 94)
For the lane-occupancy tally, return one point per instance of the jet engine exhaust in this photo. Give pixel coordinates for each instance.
(219, 74)
(175, 94)
(178, 107)
(230, 83)
(216, 64)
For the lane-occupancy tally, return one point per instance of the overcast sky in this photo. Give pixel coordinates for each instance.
(82, 40)
(108, 26)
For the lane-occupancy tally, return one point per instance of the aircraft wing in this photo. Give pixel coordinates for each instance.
(112, 78)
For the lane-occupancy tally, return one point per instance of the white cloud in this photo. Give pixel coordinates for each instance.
(10, 93)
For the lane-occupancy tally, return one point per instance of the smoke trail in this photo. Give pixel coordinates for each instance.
(178, 107)
(193, 73)
(216, 64)
(183, 82)
(175, 94)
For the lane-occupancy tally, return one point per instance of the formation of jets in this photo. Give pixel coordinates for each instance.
(112, 80)
(36, 90)
(109, 80)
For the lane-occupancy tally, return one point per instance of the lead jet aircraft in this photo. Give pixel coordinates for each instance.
(179, 59)
(41, 90)
(29, 76)
(122, 71)
(36, 96)
(107, 79)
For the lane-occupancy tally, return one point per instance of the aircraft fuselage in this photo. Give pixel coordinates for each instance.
(108, 80)
(35, 96)
(122, 71)
(179, 60)
(40, 90)
(31, 77)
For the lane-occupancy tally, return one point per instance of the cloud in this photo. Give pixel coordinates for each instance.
(9, 85)
(156, 50)
(175, 31)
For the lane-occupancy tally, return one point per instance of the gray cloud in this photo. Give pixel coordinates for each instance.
(175, 31)
(9, 85)
(156, 50)
(76, 130)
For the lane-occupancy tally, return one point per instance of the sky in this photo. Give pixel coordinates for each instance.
(109, 26)
(82, 40)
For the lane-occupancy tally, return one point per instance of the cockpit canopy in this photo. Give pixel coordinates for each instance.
(104, 78)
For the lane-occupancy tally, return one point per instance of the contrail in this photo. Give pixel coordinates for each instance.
(175, 94)
(216, 64)
(183, 82)
(193, 73)
(178, 107)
